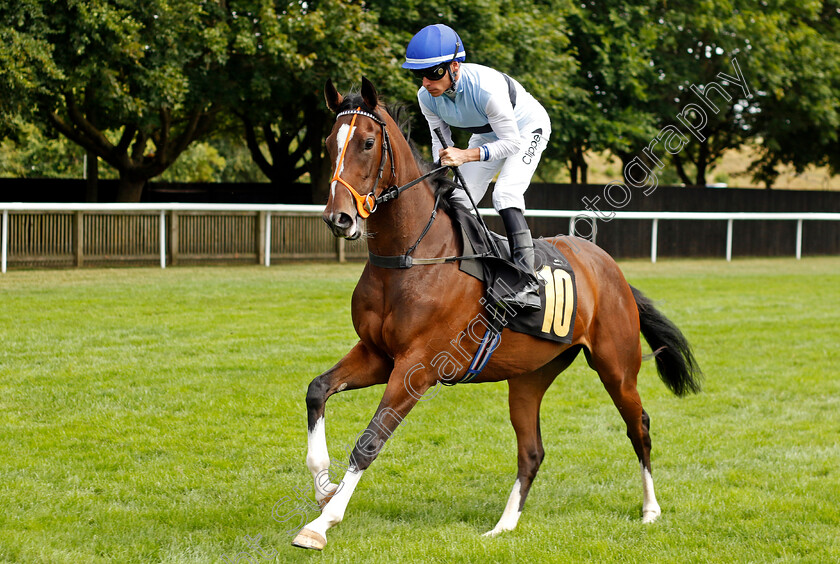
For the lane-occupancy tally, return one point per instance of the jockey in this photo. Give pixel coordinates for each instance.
(509, 129)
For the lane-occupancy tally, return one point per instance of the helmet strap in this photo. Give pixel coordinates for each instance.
(451, 89)
(449, 67)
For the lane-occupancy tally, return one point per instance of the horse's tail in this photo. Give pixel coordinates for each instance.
(675, 361)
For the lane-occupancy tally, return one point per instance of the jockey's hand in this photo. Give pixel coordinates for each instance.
(453, 156)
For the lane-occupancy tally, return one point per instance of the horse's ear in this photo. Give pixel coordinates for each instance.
(332, 96)
(369, 94)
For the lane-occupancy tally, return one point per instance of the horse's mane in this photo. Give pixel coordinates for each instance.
(440, 184)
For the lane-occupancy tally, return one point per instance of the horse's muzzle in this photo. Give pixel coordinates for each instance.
(343, 225)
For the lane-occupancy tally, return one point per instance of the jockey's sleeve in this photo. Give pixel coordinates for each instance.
(501, 118)
(435, 122)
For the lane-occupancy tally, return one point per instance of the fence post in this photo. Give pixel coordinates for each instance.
(654, 238)
(267, 239)
(729, 240)
(260, 234)
(798, 239)
(163, 238)
(79, 238)
(5, 241)
(594, 225)
(174, 243)
(339, 250)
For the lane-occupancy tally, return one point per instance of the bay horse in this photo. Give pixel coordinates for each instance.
(405, 316)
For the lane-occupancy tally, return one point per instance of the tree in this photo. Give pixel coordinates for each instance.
(799, 93)
(698, 43)
(282, 109)
(133, 83)
(25, 63)
(280, 101)
(28, 153)
(723, 75)
(137, 84)
(613, 44)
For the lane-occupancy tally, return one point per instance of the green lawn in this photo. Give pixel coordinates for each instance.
(152, 415)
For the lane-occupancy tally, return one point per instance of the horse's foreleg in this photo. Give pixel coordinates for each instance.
(525, 394)
(400, 396)
(360, 368)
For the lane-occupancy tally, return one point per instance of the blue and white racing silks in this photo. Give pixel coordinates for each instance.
(482, 97)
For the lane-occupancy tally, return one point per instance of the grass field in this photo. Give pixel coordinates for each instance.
(152, 415)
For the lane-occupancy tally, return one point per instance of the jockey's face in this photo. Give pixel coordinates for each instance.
(438, 87)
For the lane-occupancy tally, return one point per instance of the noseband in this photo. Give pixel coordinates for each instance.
(368, 203)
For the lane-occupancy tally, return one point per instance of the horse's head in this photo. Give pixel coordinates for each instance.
(359, 148)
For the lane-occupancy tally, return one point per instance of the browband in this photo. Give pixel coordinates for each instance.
(361, 113)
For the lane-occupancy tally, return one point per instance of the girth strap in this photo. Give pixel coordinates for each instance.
(407, 261)
(489, 343)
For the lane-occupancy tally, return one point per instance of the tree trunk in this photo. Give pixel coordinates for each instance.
(702, 163)
(130, 188)
(320, 178)
(625, 158)
(91, 177)
(584, 167)
(681, 170)
(701, 173)
(578, 165)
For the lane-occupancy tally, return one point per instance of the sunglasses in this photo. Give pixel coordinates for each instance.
(432, 73)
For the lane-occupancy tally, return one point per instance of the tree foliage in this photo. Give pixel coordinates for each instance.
(278, 87)
(798, 58)
(698, 43)
(613, 44)
(137, 84)
(132, 83)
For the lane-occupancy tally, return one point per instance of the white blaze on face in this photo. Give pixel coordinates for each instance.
(341, 140)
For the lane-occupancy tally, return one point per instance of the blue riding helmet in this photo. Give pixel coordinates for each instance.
(433, 45)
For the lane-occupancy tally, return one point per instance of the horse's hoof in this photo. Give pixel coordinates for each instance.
(650, 516)
(309, 539)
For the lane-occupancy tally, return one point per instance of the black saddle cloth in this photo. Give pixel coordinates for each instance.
(558, 295)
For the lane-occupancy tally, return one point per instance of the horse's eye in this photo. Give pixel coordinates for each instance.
(369, 144)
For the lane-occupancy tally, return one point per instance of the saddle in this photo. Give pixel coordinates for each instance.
(558, 295)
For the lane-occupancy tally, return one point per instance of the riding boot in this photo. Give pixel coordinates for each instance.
(527, 296)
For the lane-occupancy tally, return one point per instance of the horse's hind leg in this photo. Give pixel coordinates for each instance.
(617, 364)
(359, 368)
(650, 508)
(525, 395)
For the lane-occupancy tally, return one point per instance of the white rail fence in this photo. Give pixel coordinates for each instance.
(265, 233)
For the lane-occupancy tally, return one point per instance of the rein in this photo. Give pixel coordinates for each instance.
(368, 203)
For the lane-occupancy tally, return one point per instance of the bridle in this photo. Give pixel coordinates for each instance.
(368, 203)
